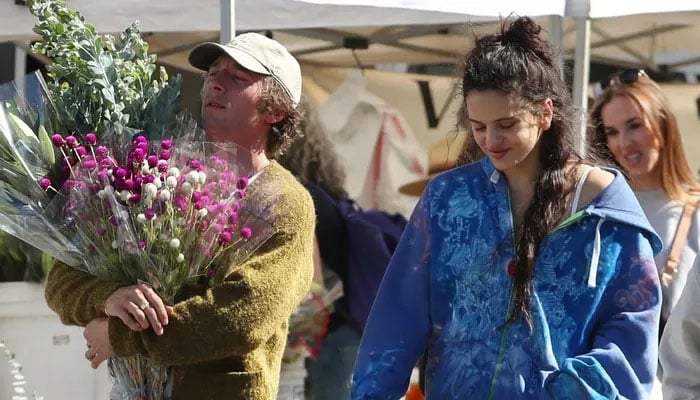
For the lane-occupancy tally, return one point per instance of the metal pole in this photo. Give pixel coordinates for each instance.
(581, 70)
(228, 21)
(556, 36)
(20, 67)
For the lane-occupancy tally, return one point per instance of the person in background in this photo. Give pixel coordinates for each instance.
(225, 341)
(633, 123)
(312, 160)
(679, 352)
(528, 273)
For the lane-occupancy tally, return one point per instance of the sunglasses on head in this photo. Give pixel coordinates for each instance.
(624, 77)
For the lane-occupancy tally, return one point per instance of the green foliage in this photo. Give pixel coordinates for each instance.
(98, 82)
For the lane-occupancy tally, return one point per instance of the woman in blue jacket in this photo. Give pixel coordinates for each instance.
(527, 274)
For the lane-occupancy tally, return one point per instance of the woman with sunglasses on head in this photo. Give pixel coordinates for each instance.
(634, 124)
(528, 273)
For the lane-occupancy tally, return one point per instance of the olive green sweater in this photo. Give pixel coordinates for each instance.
(226, 343)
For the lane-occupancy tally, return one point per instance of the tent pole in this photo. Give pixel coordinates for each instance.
(556, 37)
(228, 20)
(581, 70)
(20, 67)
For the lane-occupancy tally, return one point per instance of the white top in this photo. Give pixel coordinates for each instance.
(664, 214)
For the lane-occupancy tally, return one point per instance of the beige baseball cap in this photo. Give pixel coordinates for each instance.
(256, 53)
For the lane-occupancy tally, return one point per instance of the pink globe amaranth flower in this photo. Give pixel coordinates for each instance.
(135, 198)
(242, 183)
(45, 183)
(90, 138)
(213, 208)
(90, 164)
(149, 213)
(101, 230)
(240, 194)
(143, 146)
(195, 164)
(71, 142)
(102, 151)
(233, 218)
(198, 205)
(138, 181)
(140, 139)
(246, 232)
(217, 228)
(166, 144)
(152, 161)
(81, 151)
(121, 173)
(114, 220)
(139, 154)
(149, 179)
(181, 203)
(225, 237)
(57, 140)
(129, 184)
(103, 174)
(163, 166)
(142, 244)
(165, 155)
(196, 196)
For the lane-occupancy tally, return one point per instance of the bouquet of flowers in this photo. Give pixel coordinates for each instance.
(308, 324)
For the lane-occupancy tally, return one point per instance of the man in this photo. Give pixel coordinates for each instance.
(226, 341)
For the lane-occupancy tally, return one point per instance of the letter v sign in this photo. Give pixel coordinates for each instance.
(433, 118)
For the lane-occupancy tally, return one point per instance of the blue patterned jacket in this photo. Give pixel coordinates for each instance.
(595, 300)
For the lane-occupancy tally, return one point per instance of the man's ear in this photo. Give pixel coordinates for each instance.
(273, 119)
(547, 114)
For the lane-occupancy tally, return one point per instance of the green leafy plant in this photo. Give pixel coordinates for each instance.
(99, 83)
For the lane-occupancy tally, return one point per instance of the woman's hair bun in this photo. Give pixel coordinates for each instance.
(524, 33)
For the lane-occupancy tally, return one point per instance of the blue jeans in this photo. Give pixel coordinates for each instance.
(330, 374)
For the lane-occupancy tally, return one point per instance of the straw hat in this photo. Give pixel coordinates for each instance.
(442, 156)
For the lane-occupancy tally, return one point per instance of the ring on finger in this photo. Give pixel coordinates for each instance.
(143, 306)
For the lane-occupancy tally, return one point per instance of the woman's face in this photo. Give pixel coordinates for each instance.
(506, 133)
(631, 141)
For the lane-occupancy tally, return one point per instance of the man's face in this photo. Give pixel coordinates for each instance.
(229, 102)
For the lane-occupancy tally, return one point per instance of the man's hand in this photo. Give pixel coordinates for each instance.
(139, 307)
(96, 334)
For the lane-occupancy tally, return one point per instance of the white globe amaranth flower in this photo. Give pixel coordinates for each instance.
(141, 218)
(174, 171)
(158, 182)
(192, 177)
(175, 243)
(150, 190)
(164, 237)
(187, 188)
(101, 194)
(203, 212)
(115, 244)
(124, 195)
(202, 178)
(145, 169)
(171, 182)
(164, 195)
(109, 189)
(180, 257)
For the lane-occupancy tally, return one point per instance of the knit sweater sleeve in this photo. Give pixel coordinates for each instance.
(248, 308)
(76, 296)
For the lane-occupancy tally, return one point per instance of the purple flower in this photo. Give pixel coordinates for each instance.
(149, 213)
(90, 138)
(233, 218)
(195, 164)
(225, 237)
(139, 154)
(165, 155)
(71, 141)
(167, 144)
(140, 139)
(129, 184)
(217, 228)
(57, 140)
(163, 166)
(198, 205)
(240, 194)
(242, 183)
(44, 183)
(149, 179)
(81, 151)
(103, 175)
(142, 244)
(143, 146)
(246, 232)
(138, 181)
(121, 173)
(114, 220)
(152, 161)
(135, 198)
(102, 151)
(101, 230)
(90, 164)
(181, 203)
(196, 196)
(211, 272)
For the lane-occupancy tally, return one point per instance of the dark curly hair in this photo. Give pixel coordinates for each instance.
(311, 157)
(520, 64)
(276, 101)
